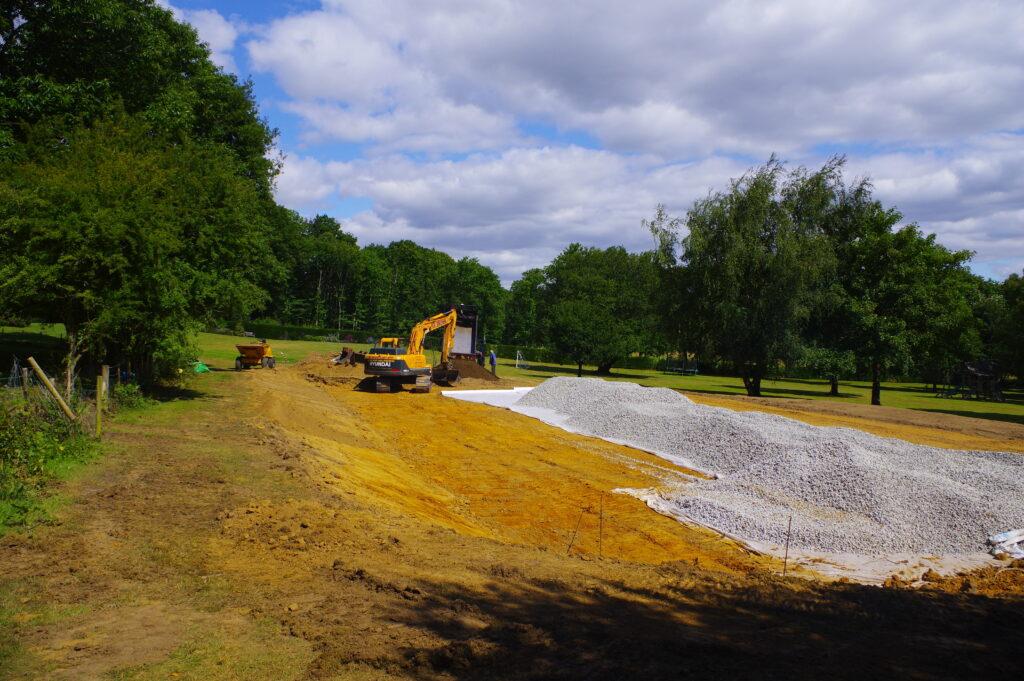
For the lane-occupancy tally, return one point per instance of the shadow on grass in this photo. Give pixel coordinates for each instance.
(694, 627)
(774, 393)
(992, 416)
(546, 369)
(171, 393)
(49, 351)
(821, 393)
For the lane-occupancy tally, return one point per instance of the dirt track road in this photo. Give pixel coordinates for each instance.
(279, 525)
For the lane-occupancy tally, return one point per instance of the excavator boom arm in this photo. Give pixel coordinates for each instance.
(443, 319)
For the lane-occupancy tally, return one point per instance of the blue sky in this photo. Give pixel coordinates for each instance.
(506, 129)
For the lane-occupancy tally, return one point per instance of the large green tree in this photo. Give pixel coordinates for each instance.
(754, 268)
(597, 305)
(1008, 334)
(478, 285)
(676, 298)
(135, 179)
(323, 276)
(130, 243)
(73, 61)
(904, 301)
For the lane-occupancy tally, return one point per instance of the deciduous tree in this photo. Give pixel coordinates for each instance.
(754, 268)
(597, 304)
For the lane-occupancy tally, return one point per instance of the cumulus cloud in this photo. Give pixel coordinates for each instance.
(923, 96)
(972, 198)
(436, 126)
(667, 77)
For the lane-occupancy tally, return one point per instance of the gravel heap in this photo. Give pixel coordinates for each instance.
(848, 491)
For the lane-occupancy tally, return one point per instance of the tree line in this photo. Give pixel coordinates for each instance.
(331, 282)
(784, 270)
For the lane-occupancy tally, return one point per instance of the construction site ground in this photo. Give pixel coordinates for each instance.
(280, 524)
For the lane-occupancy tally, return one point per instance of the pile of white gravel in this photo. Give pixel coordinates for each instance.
(847, 491)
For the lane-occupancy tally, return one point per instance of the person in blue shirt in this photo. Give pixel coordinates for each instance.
(494, 363)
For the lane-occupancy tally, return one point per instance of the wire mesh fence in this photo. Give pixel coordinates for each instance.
(23, 384)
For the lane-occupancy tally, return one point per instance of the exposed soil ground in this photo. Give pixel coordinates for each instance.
(280, 524)
(927, 428)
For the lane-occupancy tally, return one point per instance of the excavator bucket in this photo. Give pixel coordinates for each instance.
(446, 376)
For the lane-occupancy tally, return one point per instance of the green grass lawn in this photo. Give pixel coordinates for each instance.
(218, 352)
(46, 344)
(906, 395)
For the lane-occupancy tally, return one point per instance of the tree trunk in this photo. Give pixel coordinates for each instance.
(604, 369)
(752, 383)
(579, 369)
(876, 384)
(834, 389)
(70, 362)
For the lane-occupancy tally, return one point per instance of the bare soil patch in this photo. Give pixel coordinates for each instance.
(927, 428)
(282, 527)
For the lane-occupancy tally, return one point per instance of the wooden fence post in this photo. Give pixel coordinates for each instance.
(24, 382)
(106, 382)
(99, 405)
(53, 391)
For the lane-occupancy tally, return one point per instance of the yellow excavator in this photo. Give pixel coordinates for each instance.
(392, 364)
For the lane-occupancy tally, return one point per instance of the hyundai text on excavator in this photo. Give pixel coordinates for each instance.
(392, 364)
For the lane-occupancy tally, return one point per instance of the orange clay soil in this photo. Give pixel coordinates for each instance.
(937, 430)
(483, 471)
(999, 581)
(281, 525)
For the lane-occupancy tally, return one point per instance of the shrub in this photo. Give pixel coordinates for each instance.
(174, 353)
(32, 445)
(128, 396)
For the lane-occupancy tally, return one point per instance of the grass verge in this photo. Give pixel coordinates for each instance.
(36, 448)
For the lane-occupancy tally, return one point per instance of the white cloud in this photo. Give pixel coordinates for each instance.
(217, 32)
(924, 96)
(434, 126)
(972, 198)
(667, 77)
(304, 183)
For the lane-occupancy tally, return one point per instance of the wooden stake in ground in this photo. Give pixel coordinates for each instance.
(573, 539)
(53, 391)
(24, 382)
(785, 559)
(99, 405)
(106, 382)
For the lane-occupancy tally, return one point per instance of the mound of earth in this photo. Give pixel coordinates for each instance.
(468, 369)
